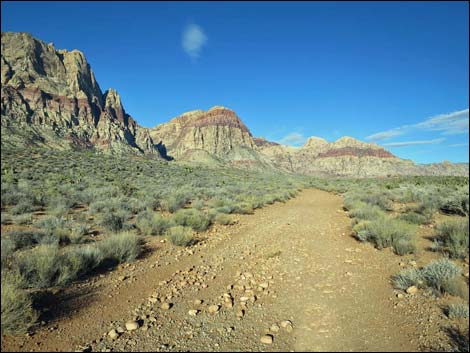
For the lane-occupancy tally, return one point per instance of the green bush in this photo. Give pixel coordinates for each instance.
(456, 311)
(407, 278)
(24, 238)
(150, 223)
(452, 237)
(385, 232)
(224, 219)
(40, 267)
(181, 236)
(17, 309)
(191, 218)
(440, 273)
(114, 221)
(121, 247)
(176, 201)
(415, 218)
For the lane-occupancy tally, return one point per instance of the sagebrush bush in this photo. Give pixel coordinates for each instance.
(452, 237)
(387, 232)
(456, 311)
(114, 221)
(24, 238)
(439, 273)
(17, 309)
(415, 218)
(407, 278)
(224, 219)
(181, 236)
(150, 223)
(40, 267)
(191, 218)
(121, 247)
(176, 201)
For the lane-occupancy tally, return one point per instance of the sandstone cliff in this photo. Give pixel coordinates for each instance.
(52, 97)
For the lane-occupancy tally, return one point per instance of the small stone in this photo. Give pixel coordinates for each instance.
(267, 339)
(286, 323)
(198, 302)
(413, 263)
(166, 306)
(274, 328)
(240, 313)
(412, 290)
(193, 312)
(113, 334)
(122, 278)
(132, 325)
(400, 296)
(214, 308)
(244, 299)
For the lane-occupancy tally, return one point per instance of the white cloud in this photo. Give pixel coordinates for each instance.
(193, 40)
(294, 138)
(459, 145)
(411, 143)
(448, 124)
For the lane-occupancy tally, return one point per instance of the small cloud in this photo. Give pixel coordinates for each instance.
(193, 40)
(448, 124)
(459, 145)
(385, 134)
(294, 138)
(412, 143)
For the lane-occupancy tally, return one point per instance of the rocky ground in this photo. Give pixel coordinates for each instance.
(288, 278)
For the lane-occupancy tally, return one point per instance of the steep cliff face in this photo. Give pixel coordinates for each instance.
(53, 95)
(219, 131)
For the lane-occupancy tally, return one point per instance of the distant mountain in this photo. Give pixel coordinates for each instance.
(50, 98)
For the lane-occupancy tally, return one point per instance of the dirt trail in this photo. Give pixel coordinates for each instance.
(334, 290)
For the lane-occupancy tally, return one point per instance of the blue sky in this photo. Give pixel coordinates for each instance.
(396, 73)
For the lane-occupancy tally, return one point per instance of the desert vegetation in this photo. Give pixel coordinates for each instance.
(66, 214)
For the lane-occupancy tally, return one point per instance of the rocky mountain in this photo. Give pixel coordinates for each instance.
(215, 136)
(50, 97)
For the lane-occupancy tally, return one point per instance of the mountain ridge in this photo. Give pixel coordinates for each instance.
(52, 97)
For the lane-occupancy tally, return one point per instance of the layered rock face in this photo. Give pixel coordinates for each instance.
(53, 95)
(218, 132)
(350, 157)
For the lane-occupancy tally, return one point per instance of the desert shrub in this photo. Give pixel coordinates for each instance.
(385, 232)
(150, 223)
(439, 273)
(415, 218)
(24, 238)
(364, 211)
(452, 237)
(457, 203)
(198, 204)
(23, 207)
(114, 221)
(80, 261)
(23, 219)
(7, 248)
(181, 236)
(191, 218)
(407, 278)
(379, 199)
(455, 311)
(243, 208)
(6, 218)
(121, 247)
(221, 218)
(176, 201)
(17, 309)
(40, 267)
(78, 233)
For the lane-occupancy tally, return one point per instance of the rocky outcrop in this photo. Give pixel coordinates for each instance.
(53, 94)
(350, 157)
(218, 131)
